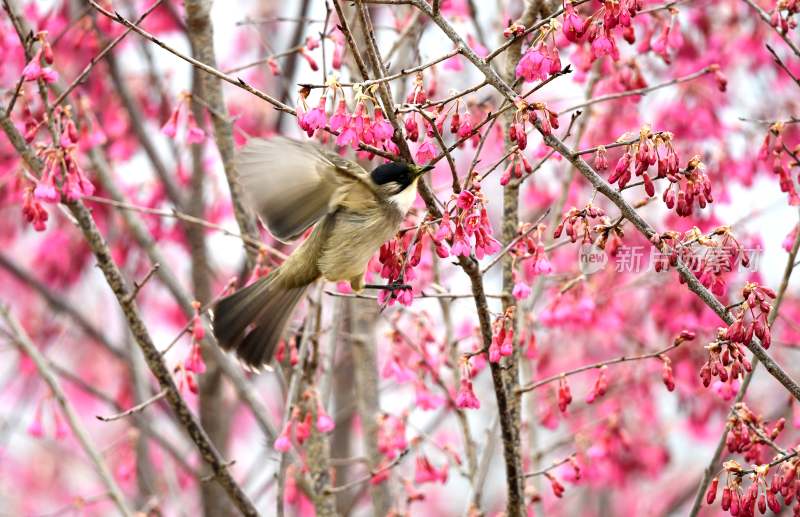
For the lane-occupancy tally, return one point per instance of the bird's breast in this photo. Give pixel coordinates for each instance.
(405, 198)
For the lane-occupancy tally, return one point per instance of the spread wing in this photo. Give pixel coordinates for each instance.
(293, 184)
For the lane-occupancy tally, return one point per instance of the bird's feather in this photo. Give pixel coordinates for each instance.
(293, 184)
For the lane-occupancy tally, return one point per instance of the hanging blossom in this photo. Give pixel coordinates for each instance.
(727, 357)
(710, 257)
(36, 428)
(33, 211)
(352, 128)
(182, 117)
(783, 15)
(686, 187)
(578, 222)
(39, 65)
(774, 152)
(62, 175)
(468, 229)
(670, 39)
(530, 113)
(502, 344)
(528, 251)
(194, 362)
(465, 397)
(541, 60)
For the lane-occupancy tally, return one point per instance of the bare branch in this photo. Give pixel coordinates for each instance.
(23, 342)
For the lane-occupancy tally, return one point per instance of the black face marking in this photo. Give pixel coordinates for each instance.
(397, 172)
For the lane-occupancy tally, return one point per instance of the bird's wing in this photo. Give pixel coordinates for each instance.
(293, 184)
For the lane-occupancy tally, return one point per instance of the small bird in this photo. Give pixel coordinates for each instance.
(293, 185)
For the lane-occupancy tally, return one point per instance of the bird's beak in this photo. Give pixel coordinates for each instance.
(419, 171)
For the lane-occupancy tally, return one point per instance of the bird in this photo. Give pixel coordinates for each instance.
(293, 186)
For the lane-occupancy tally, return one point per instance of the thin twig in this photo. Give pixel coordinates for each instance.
(135, 409)
(25, 345)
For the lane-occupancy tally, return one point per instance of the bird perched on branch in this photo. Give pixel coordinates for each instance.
(294, 185)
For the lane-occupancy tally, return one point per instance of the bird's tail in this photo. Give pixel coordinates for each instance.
(250, 322)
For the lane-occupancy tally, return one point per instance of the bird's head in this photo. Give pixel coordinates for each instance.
(394, 177)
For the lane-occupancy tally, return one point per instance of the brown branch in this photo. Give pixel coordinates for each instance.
(26, 346)
(551, 467)
(156, 364)
(708, 472)
(372, 474)
(642, 91)
(624, 359)
(96, 58)
(764, 16)
(201, 35)
(59, 304)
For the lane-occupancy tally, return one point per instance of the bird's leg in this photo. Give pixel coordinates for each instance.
(392, 286)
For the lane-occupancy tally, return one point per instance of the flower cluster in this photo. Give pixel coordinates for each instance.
(39, 65)
(502, 336)
(751, 317)
(37, 427)
(62, 175)
(600, 386)
(33, 211)
(782, 15)
(686, 187)
(425, 472)
(577, 222)
(528, 252)
(469, 229)
(541, 59)
(194, 362)
(183, 117)
(530, 113)
(352, 128)
(726, 360)
(775, 152)
(711, 257)
(517, 164)
(752, 437)
(465, 398)
(391, 443)
(300, 424)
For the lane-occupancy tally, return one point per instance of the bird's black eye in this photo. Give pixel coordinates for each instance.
(397, 172)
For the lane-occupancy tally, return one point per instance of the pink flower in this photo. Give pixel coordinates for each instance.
(574, 26)
(36, 429)
(426, 473)
(425, 399)
(340, 117)
(425, 152)
(465, 200)
(316, 118)
(494, 351)
(465, 398)
(381, 128)
(34, 71)
(325, 423)
(46, 192)
(461, 246)
(61, 428)
(521, 291)
(454, 64)
(170, 128)
(602, 46)
(195, 135)
(533, 66)
(348, 136)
